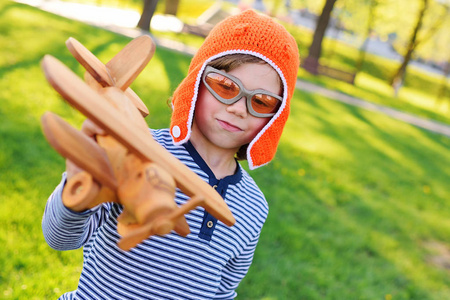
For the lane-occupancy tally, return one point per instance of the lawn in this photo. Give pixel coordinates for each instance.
(359, 202)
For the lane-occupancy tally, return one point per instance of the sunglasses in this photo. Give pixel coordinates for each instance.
(228, 90)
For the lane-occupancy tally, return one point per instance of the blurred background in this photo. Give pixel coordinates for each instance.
(359, 190)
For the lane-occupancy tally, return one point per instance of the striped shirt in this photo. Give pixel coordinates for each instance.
(207, 264)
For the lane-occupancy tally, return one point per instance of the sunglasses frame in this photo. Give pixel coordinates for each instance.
(243, 92)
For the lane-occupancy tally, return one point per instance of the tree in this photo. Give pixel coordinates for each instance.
(311, 62)
(147, 14)
(358, 13)
(171, 7)
(400, 73)
(414, 40)
(363, 49)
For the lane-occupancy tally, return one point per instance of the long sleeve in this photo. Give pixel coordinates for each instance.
(65, 229)
(235, 270)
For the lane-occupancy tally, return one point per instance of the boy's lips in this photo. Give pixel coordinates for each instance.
(228, 126)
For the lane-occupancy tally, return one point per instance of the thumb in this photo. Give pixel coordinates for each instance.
(91, 129)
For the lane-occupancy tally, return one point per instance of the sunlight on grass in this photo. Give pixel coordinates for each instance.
(425, 101)
(414, 269)
(321, 145)
(26, 257)
(373, 84)
(363, 175)
(407, 94)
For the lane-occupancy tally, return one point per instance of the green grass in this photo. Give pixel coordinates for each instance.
(359, 202)
(356, 198)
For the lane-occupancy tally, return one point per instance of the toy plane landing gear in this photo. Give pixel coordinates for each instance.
(126, 166)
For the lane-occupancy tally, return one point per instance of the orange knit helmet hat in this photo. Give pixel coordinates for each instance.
(247, 33)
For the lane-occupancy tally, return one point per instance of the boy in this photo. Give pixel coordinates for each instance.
(232, 105)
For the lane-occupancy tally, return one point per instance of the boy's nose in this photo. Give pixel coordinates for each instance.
(239, 108)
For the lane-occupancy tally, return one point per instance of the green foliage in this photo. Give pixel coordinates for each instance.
(359, 201)
(433, 42)
(419, 94)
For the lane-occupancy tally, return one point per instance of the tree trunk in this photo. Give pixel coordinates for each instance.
(363, 48)
(147, 14)
(399, 76)
(312, 61)
(171, 7)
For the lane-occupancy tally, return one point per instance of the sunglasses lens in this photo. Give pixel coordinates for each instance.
(223, 86)
(265, 104)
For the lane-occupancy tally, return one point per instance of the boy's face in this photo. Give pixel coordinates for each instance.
(231, 126)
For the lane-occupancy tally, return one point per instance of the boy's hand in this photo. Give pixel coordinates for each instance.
(92, 193)
(91, 130)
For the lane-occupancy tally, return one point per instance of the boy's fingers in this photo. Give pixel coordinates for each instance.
(91, 129)
(71, 169)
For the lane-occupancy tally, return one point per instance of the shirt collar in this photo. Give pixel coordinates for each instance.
(231, 179)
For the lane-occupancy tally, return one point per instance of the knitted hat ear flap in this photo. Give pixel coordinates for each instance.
(184, 106)
(284, 58)
(261, 150)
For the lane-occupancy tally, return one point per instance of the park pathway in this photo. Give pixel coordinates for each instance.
(124, 22)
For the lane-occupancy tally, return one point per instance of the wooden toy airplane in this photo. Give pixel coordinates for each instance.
(127, 165)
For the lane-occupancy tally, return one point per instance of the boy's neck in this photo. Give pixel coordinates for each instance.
(221, 161)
